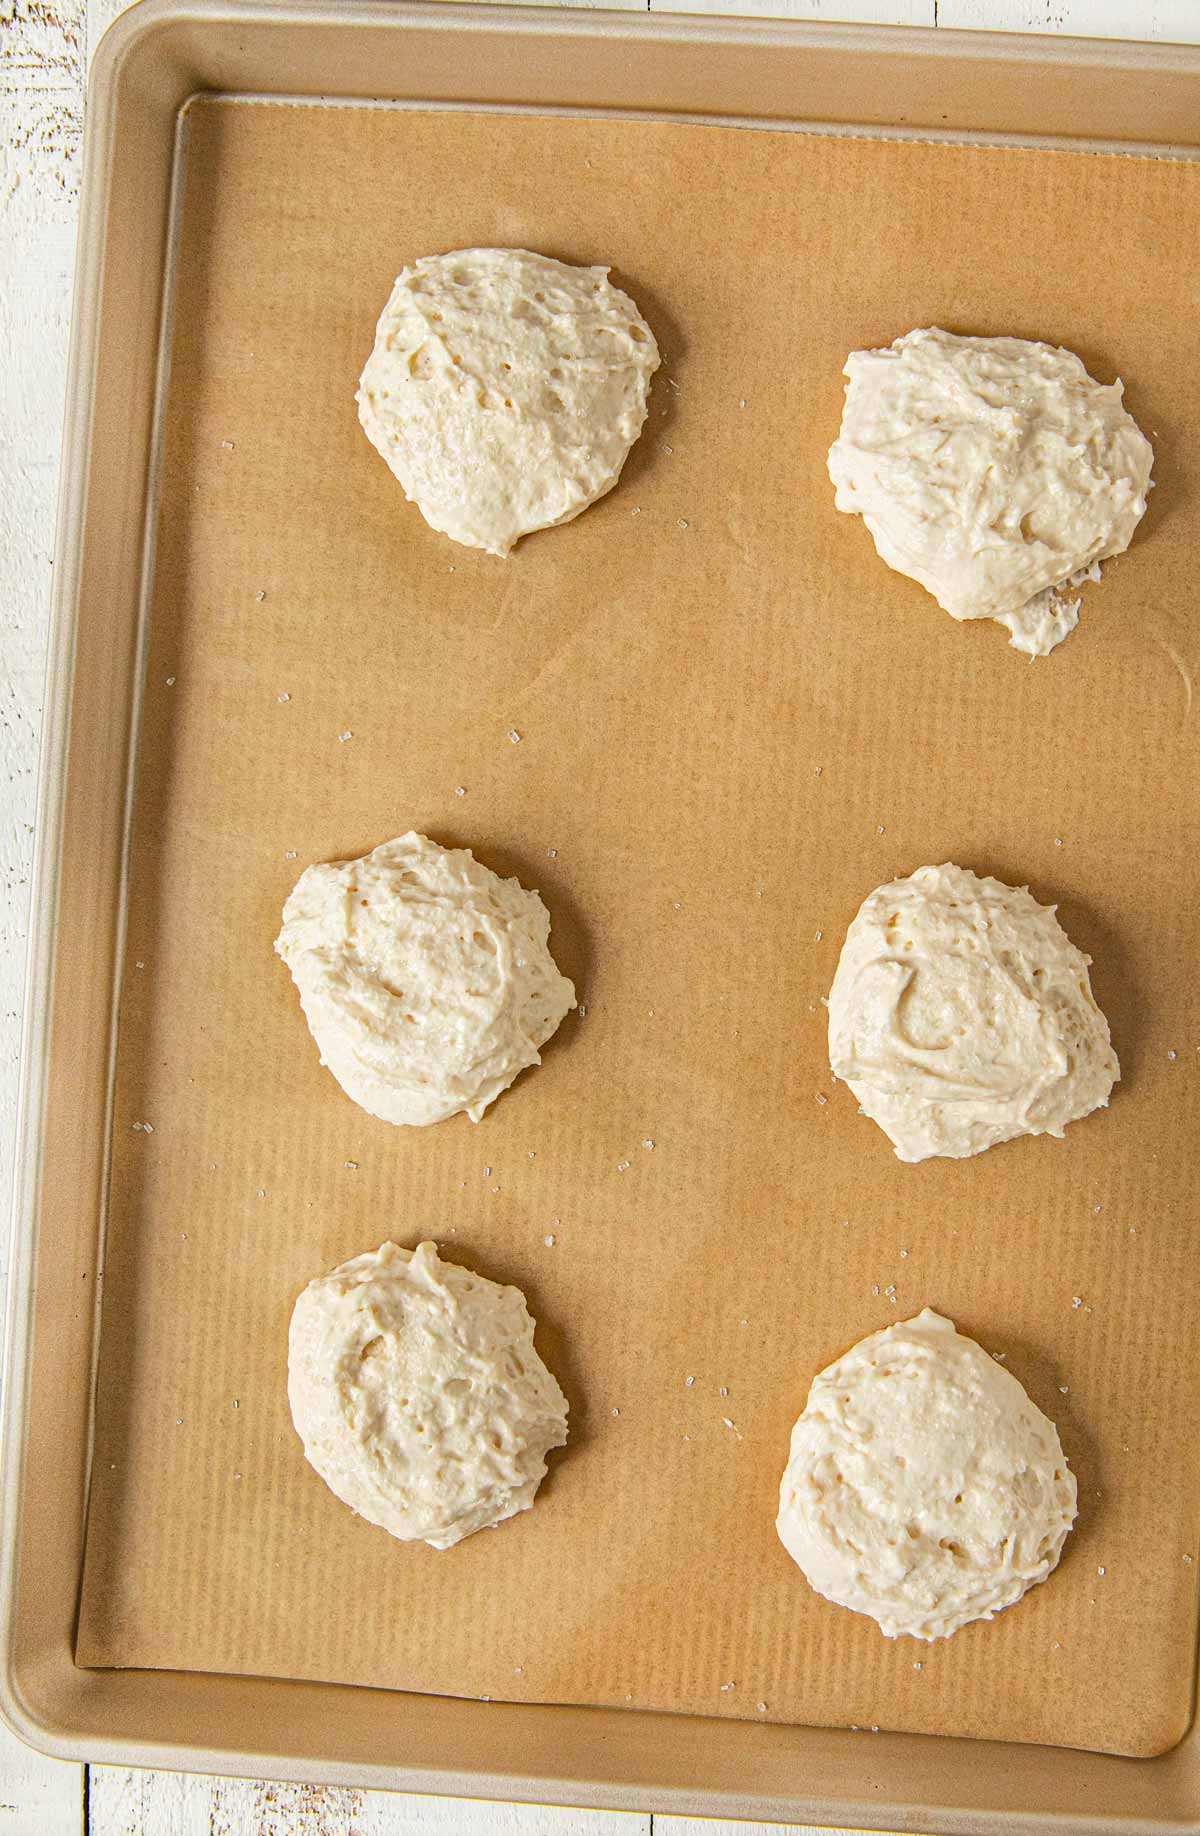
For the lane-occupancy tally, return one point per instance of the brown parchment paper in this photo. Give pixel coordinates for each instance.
(734, 722)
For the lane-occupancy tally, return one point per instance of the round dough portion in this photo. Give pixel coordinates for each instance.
(923, 1487)
(990, 470)
(961, 1015)
(426, 980)
(416, 1390)
(505, 390)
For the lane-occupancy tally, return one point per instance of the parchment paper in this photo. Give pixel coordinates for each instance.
(734, 722)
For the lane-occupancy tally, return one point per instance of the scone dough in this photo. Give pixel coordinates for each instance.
(923, 1487)
(416, 1390)
(505, 390)
(992, 471)
(961, 1015)
(426, 980)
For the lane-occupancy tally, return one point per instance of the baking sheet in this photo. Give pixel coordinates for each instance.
(733, 724)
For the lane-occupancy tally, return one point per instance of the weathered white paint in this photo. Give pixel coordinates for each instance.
(170, 1804)
(1172, 21)
(43, 46)
(39, 1797)
(700, 1826)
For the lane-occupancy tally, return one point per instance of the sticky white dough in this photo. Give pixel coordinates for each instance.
(416, 1390)
(426, 980)
(505, 390)
(923, 1486)
(991, 470)
(961, 1015)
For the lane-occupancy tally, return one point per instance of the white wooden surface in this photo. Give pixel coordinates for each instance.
(170, 1804)
(44, 47)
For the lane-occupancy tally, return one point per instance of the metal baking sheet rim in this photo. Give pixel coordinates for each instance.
(872, 1781)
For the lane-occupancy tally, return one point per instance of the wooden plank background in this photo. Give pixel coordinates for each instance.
(45, 46)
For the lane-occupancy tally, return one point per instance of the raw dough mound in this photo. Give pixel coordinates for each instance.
(923, 1487)
(505, 390)
(991, 470)
(426, 980)
(961, 1015)
(418, 1395)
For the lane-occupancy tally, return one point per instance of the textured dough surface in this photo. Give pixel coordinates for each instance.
(426, 980)
(505, 390)
(961, 1015)
(923, 1487)
(989, 470)
(416, 1390)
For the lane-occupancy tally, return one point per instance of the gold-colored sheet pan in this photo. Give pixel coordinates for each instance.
(172, 192)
